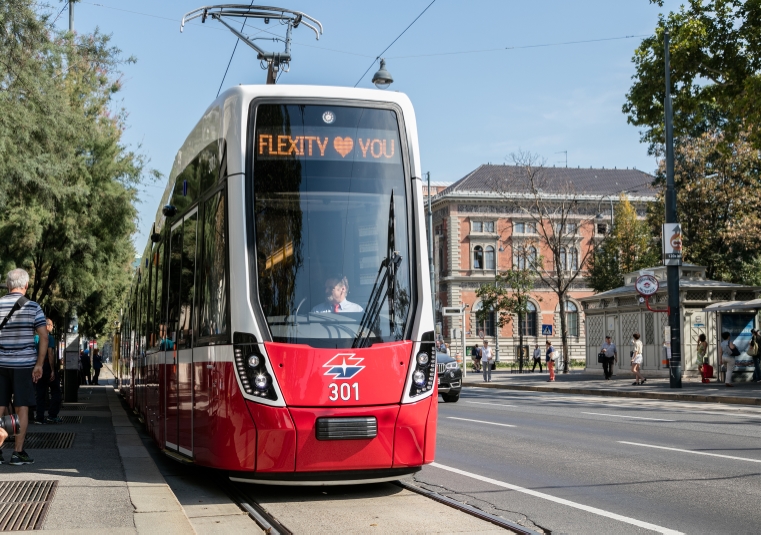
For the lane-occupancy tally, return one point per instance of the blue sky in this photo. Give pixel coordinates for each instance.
(471, 108)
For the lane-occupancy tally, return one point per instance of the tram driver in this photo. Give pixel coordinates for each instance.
(336, 289)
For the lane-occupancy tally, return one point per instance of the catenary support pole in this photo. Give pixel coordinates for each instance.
(675, 365)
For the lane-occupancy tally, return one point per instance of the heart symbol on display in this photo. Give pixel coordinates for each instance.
(343, 145)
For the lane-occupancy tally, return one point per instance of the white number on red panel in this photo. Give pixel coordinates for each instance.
(343, 391)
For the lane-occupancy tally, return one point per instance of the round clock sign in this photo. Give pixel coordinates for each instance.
(646, 285)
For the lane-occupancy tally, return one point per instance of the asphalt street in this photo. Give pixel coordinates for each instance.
(580, 464)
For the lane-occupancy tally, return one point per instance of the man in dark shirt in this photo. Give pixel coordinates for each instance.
(86, 368)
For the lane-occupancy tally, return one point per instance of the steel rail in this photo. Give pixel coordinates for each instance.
(270, 524)
(469, 509)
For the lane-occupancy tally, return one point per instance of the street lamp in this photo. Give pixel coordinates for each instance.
(382, 79)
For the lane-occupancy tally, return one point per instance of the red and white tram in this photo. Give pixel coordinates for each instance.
(280, 326)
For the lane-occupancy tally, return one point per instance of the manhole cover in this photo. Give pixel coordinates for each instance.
(38, 441)
(24, 504)
(83, 407)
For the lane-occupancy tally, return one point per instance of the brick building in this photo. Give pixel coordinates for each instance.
(477, 231)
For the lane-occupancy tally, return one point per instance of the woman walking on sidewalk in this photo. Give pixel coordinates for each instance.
(637, 360)
(550, 360)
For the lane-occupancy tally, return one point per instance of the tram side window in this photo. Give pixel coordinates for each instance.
(187, 281)
(173, 295)
(212, 278)
(159, 326)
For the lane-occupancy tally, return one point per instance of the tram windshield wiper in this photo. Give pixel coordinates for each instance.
(386, 277)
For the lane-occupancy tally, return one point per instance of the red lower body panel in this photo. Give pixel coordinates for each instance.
(276, 438)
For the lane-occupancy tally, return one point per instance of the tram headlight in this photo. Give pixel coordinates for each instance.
(260, 382)
(253, 361)
(418, 378)
(422, 359)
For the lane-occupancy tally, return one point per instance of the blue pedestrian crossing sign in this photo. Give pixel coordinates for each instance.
(546, 330)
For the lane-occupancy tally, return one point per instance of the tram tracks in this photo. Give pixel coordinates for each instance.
(248, 498)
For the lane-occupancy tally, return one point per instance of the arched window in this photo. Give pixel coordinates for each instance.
(478, 257)
(572, 318)
(487, 326)
(519, 261)
(563, 260)
(528, 322)
(489, 257)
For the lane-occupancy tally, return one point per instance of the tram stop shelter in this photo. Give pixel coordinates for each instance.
(619, 313)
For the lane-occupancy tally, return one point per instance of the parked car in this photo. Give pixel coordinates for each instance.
(450, 377)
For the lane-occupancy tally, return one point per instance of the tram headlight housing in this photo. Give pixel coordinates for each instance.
(423, 378)
(251, 367)
(422, 359)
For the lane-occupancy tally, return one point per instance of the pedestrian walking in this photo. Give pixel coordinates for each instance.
(97, 364)
(702, 351)
(637, 359)
(753, 347)
(86, 366)
(550, 356)
(609, 356)
(486, 360)
(728, 353)
(475, 355)
(20, 364)
(48, 389)
(537, 359)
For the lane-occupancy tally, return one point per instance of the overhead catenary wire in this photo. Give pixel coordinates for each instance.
(394, 41)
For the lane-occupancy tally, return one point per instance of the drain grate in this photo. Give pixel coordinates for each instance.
(84, 407)
(24, 504)
(39, 441)
(71, 419)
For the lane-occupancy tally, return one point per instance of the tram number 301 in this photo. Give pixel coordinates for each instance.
(343, 391)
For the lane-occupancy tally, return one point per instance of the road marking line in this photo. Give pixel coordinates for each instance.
(690, 451)
(633, 417)
(483, 403)
(479, 421)
(562, 501)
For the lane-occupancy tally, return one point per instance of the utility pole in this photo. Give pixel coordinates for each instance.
(71, 15)
(430, 252)
(675, 324)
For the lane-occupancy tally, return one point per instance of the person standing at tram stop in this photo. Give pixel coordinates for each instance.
(97, 364)
(486, 360)
(475, 355)
(728, 353)
(637, 360)
(49, 380)
(336, 289)
(85, 372)
(20, 364)
(550, 357)
(537, 359)
(611, 357)
(753, 351)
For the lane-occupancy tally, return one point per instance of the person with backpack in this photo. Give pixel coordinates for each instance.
(97, 364)
(20, 364)
(475, 356)
(728, 353)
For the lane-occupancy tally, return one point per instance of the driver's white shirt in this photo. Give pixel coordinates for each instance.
(343, 306)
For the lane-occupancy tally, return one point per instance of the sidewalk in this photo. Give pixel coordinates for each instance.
(92, 474)
(582, 382)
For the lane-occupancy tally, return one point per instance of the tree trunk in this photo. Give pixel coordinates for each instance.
(520, 342)
(563, 331)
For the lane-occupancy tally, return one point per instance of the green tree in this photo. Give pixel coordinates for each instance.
(718, 204)
(67, 182)
(507, 295)
(715, 72)
(629, 247)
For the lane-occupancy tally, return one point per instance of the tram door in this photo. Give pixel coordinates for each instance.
(179, 375)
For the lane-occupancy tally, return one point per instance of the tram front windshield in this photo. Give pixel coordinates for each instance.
(330, 217)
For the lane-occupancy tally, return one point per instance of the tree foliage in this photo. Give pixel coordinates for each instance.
(628, 247)
(717, 181)
(67, 182)
(715, 72)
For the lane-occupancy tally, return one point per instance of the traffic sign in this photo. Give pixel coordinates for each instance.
(546, 330)
(451, 311)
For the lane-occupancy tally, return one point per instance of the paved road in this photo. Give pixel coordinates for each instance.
(581, 464)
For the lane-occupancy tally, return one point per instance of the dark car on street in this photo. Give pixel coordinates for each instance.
(450, 377)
